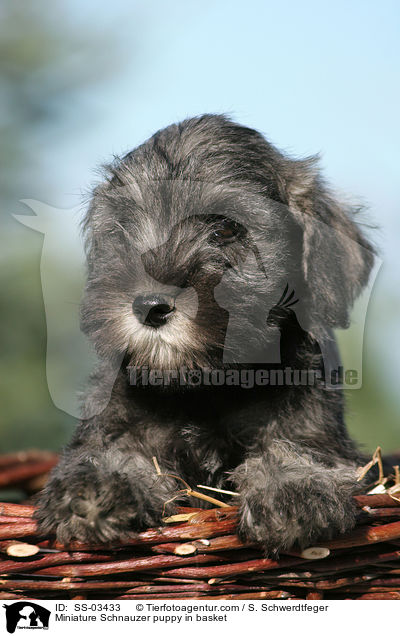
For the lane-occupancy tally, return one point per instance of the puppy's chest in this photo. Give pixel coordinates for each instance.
(207, 454)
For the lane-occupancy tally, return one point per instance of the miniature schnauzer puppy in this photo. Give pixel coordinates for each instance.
(213, 259)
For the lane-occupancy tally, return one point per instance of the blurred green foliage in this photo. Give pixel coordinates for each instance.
(45, 63)
(372, 410)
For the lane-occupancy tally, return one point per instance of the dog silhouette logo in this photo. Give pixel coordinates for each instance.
(26, 615)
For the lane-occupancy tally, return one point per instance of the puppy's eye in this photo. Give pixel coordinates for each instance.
(225, 231)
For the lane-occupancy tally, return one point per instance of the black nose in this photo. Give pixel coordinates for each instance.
(153, 310)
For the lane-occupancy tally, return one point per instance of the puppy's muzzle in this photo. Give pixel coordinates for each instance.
(153, 310)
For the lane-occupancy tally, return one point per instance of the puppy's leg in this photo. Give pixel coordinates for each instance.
(99, 495)
(288, 495)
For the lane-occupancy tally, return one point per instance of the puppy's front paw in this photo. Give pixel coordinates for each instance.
(279, 523)
(90, 509)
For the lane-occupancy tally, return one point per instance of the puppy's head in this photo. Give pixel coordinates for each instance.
(193, 238)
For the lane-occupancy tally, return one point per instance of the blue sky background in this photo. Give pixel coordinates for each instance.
(313, 76)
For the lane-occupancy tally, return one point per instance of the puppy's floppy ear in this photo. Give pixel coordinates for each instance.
(337, 258)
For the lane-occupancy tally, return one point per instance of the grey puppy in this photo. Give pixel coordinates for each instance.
(208, 249)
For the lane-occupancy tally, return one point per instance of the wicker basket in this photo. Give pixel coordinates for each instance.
(195, 555)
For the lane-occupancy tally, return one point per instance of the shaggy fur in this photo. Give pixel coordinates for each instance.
(254, 257)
